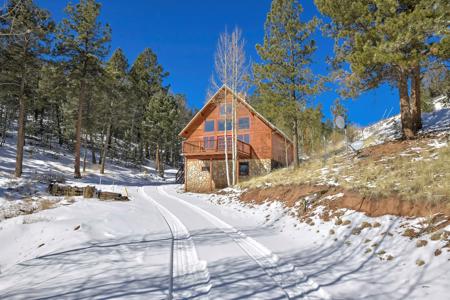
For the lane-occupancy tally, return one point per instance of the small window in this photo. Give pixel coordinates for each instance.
(244, 138)
(208, 142)
(205, 166)
(244, 123)
(229, 109)
(221, 125)
(244, 169)
(209, 125)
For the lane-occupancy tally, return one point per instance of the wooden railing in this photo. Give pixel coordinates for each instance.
(214, 146)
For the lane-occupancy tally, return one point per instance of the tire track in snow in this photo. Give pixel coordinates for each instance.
(288, 277)
(189, 276)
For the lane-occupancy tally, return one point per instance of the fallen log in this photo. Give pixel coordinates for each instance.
(56, 189)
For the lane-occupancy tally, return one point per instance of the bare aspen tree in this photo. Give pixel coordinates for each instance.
(221, 76)
(238, 85)
(230, 71)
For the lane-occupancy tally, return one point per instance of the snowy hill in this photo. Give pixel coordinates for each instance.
(390, 129)
(28, 193)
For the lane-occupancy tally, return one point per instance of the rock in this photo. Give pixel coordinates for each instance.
(421, 243)
(420, 262)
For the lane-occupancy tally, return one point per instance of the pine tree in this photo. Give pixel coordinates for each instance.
(283, 80)
(161, 124)
(387, 42)
(83, 43)
(146, 76)
(53, 94)
(117, 84)
(23, 55)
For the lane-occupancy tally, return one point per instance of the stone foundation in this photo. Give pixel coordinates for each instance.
(198, 178)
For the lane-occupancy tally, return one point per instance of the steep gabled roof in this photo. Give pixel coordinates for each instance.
(242, 101)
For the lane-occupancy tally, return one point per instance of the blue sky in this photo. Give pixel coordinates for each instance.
(184, 36)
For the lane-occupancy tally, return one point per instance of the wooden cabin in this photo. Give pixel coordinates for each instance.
(261, 146)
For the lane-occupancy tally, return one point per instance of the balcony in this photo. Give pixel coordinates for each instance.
(215, 146)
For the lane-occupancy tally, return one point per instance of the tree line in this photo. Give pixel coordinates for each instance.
(57, 85)
(402, 43)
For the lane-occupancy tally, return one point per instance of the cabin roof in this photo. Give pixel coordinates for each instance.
(183, 132)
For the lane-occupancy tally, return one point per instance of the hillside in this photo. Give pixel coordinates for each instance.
(365, 218)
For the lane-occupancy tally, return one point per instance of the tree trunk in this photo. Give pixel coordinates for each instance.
(85, 153)
(295, 140)
(94, 159)
(234, 139)
(58, 124)
(81, 100)
(225, 140)
(158, 162)
(405, 109)
(416, 109)
(21, 128)
(105, 148)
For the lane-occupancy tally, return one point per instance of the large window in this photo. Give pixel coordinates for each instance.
(244, 169)
(221, 142)
(208, 142)
(244, 123)
(221, 125)
(228, 109)
(244, 137)
(209, 125)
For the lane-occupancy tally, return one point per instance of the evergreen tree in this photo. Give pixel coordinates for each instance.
(115, 102)
(161, 118)
(387, 41)
(22, 59)
(146, 76)
(82, 44)
(53, 96)
(283, 79)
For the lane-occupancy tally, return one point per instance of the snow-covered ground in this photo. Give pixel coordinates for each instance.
(222, 250)
(389, 129)
(199, 246)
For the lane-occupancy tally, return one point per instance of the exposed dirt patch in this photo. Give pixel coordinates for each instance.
(288, 194)
(387, 149)
(325, 195)
(393, 148)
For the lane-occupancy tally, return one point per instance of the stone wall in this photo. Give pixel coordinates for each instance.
(197, 180)
(200, 181)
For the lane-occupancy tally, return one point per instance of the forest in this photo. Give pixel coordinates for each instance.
(61, 84)
(59, 89)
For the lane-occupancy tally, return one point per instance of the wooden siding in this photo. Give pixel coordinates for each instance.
(265, 140)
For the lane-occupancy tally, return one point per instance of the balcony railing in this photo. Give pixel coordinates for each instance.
(214, 146)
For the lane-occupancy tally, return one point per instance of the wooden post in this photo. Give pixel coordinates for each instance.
(237, 170)
(185, 174)
(210, 174)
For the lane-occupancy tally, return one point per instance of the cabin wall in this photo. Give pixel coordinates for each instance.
(260, 134)
(279, 145)
(201, 181)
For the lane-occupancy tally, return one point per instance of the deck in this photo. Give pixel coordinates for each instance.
(214, 147)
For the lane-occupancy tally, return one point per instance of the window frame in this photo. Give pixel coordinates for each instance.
(244, 163)
(241, 137)
(222, 109)
(225, 122)
(213, 125)
(205, 166)
(209, 142)
(248, 122)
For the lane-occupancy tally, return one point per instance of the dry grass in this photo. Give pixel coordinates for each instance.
(413, 175)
